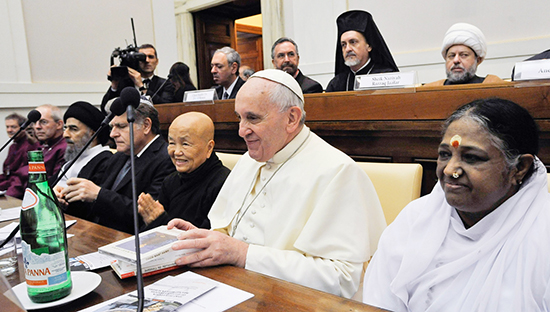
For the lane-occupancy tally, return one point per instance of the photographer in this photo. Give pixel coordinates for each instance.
(143, 78)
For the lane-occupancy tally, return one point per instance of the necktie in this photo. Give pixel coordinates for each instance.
(146, 83)
(225, 96)
(122, 173)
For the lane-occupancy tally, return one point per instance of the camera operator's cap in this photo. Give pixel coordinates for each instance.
(88, 115)
(465, 34)
(281, 77)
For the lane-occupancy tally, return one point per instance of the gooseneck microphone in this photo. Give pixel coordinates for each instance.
(130, 97)
(117, 109)
(161, 86)
(32, 116)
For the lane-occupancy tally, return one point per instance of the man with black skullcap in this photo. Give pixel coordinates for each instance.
(81, 120)
(464, 48)
(361, 50)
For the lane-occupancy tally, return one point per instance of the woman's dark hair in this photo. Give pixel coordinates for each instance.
(179, 75)
(513, 129)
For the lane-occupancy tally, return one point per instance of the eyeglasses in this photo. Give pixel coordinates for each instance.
(43, 122)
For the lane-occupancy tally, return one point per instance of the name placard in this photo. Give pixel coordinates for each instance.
(207, 95)
(532, 70)
(386, 80)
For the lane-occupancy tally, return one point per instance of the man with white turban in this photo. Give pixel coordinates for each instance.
(464, 48)
(294, 207)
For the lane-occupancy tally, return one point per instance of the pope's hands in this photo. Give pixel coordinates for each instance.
(215, 247)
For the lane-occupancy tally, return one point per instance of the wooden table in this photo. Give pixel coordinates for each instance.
(270, 294)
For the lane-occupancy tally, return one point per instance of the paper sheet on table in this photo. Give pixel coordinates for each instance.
(167, 294)
(95, 260)
(219, 298)
(10, 214)
(6, 230)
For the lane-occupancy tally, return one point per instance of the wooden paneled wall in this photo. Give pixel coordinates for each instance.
(396, 125)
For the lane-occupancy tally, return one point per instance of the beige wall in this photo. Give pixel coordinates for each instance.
(57, 51)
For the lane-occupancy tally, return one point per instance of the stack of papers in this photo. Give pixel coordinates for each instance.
(187, 292)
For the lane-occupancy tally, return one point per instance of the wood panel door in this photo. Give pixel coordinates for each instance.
(249, 46)
(212, 33)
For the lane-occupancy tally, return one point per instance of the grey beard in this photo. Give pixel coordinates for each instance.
(462, 77)
(73, 149)
(352, 62)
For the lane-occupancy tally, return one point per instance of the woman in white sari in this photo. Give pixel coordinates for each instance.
(480, 241)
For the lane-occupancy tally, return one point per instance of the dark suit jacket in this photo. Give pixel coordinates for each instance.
(113, 207)
(238, 85)
(307, 84)
(165, 95)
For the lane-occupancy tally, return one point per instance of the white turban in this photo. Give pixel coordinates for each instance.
(468, 35)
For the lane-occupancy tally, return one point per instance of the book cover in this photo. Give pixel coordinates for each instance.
(125, 270)
(154, 243)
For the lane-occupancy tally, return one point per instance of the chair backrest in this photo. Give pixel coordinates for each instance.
(229, 160)
(396, 184)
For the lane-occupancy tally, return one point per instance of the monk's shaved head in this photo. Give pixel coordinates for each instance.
(191, 141)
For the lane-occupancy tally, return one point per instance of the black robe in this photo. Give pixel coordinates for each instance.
(307, 84)
(475, 79)
(190, 196)
(339, 82)
(93, 171)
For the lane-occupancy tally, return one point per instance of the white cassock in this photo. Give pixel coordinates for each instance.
(312, 220)
(428, 261)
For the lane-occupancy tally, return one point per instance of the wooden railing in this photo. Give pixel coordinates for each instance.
(398, 125)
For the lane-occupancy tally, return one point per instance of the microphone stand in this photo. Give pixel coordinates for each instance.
(12, 138)
(139, 276)
(161, 86)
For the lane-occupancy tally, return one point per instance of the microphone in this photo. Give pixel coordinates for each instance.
(32, 116)
(130, 96)
(161, 86)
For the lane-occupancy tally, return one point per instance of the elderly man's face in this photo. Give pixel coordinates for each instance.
(46, 128)
(286, 58)
(188, 145)
(148, 67)
(76, 135)
(120, 132)
(355, 49)
(224, 74)
(461, 63)
(262, 125)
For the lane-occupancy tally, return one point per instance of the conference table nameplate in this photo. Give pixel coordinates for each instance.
(396, 125)
(270, 294)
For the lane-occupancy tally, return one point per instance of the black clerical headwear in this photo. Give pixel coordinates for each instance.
(88, 115)
(363, 22)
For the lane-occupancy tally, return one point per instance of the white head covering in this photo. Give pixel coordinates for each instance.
(468, 35)
(281, 77)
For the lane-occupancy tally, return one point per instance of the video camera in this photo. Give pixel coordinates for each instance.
(129, 57)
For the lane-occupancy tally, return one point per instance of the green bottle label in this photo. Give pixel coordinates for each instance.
(30, 200)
